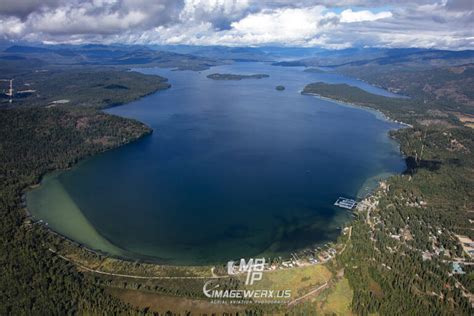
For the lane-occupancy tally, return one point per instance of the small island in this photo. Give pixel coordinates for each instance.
(280, 88)
(217, 76)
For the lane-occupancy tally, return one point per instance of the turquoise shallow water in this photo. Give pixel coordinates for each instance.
(233, 169)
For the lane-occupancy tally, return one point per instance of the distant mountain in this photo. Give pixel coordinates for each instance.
(432, 57)
(112, 55)
(383, 56)
(27, 49)
(202, 57)
(263, 53)
(219, 52)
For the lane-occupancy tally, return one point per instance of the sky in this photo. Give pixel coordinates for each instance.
(337, 24)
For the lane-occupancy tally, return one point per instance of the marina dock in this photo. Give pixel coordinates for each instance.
(345, 203)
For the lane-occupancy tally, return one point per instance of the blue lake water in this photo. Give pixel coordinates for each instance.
(233, 169)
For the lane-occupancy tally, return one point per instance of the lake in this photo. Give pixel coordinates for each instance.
(234, 169)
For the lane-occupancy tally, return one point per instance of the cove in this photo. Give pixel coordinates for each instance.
(233, 169)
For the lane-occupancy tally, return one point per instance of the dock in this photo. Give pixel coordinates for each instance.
(345, 203)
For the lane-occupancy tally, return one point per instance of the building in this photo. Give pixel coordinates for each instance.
(457, 268)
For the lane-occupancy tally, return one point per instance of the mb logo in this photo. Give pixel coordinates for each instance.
(254, 269)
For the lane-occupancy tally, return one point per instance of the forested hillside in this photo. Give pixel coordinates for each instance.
(34, 141)
(405, 238)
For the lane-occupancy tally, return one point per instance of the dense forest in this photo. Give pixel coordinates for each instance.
(449, 86)
(399, 258)
(402, 109)
(34, 141)
(37, 136)
(86, 86)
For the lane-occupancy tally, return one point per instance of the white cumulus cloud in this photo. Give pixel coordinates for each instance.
(349, 16)
(279, 25)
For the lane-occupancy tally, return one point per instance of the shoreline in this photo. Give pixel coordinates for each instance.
(355, 105)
